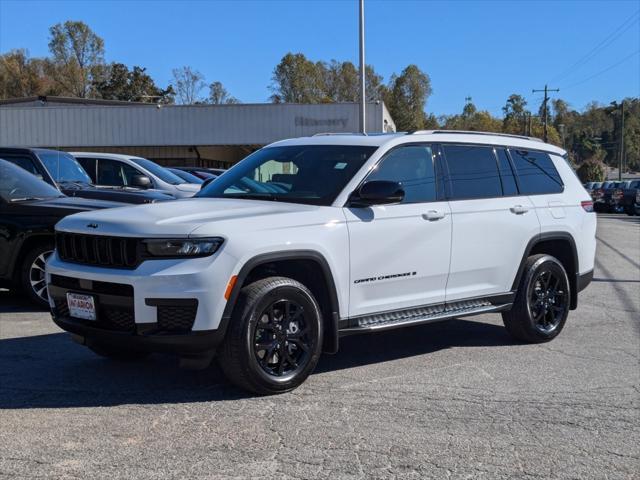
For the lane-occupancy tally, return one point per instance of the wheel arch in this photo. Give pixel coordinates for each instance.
(300, 265)
(560, 245)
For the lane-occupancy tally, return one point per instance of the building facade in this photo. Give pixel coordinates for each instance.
(203, 135)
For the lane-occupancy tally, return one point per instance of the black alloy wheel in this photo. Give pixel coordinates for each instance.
(548, 300)
(281, 340)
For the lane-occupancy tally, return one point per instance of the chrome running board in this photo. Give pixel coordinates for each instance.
(421, 315)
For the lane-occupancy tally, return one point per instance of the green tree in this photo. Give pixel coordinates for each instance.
(78, 56)
(516, 115)
(219, 95)
(592, 171)
(131, 85)
(188, 83)
(296, 79)
(472, 119)
(22, 76)
(406, 97)
(342, 82)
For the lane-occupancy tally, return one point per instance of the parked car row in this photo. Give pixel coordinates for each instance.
(38, 187)
(615, 197)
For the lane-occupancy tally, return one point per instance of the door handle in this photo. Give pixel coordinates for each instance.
(433, 215)
(519, 209)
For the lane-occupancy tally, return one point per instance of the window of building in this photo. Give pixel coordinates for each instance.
(536, 172)
(412, 167)
(473, 171)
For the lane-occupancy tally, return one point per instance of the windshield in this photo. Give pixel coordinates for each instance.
(63, 167)
(16, 184)
(160, 172)
(311, 174)
(186, 176)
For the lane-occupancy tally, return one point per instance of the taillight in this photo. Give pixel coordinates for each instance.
(587, 205)
(638, 196)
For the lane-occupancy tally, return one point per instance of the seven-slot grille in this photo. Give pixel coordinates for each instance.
(119, 252)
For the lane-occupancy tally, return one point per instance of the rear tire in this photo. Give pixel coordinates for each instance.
(274, 338)
(542, 302)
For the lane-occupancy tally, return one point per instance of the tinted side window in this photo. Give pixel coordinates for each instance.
(473, 171)
(129, 172)
(509, 186)
(110, 173)
(412, 166)
(89, 165)
(536, 172)
(25, 162)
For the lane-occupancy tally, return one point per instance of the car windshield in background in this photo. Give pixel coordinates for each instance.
(160, 172)
(186, 176)
(16, 185)
(63, 167)
(311, 174)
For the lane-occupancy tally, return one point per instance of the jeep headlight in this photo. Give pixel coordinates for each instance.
(182, 247)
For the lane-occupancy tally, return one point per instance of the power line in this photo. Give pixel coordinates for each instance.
(626, 25)
(603, 71)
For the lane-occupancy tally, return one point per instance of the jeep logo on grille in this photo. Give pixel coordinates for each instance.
(93, 225)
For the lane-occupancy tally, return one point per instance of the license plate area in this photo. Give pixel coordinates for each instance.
(81, 306)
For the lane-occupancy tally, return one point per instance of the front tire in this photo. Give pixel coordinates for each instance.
(542, 302)
(32, 277)
(274, 339)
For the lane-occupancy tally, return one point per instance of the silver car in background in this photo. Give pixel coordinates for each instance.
(109, 169)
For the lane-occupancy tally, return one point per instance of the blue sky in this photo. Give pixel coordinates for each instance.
(486, 50)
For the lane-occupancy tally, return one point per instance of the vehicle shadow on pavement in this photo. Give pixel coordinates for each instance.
(11, 302)
(50, 371)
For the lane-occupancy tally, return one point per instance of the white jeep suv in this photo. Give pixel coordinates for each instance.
(310, 239)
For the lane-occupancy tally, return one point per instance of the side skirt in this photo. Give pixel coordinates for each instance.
(427, 314)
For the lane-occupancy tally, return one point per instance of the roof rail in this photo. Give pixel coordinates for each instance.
(368, 134)
(326, 134)
(472, 132)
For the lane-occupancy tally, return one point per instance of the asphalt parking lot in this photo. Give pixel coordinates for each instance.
(457, 399)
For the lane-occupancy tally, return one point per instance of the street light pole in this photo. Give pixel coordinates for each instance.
(621, 166)
(363, 97)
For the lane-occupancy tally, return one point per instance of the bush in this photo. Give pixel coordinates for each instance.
(592, 170)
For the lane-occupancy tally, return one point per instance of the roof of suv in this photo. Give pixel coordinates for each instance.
(115, 156)
(444, 136)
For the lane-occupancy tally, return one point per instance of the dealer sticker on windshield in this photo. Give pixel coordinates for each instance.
(81, 306)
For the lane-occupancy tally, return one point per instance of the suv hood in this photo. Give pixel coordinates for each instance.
(188, 187)
(197, 216)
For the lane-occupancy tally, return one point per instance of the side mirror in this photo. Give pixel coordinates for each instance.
(377, 192)
(207, 182)
(141, 181)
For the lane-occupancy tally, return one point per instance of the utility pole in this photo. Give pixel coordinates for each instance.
(545, 108)
(363, 98)
(621, 141)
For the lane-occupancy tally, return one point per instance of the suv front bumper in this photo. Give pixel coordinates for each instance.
(162, 306)
(191, 343)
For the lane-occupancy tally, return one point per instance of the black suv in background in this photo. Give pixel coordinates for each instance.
(29, 209)
(63, 171)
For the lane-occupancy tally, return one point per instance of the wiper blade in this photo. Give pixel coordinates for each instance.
(25, 199)
(253, 196)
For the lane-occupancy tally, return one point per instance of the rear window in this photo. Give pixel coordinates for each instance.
(536, 172)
